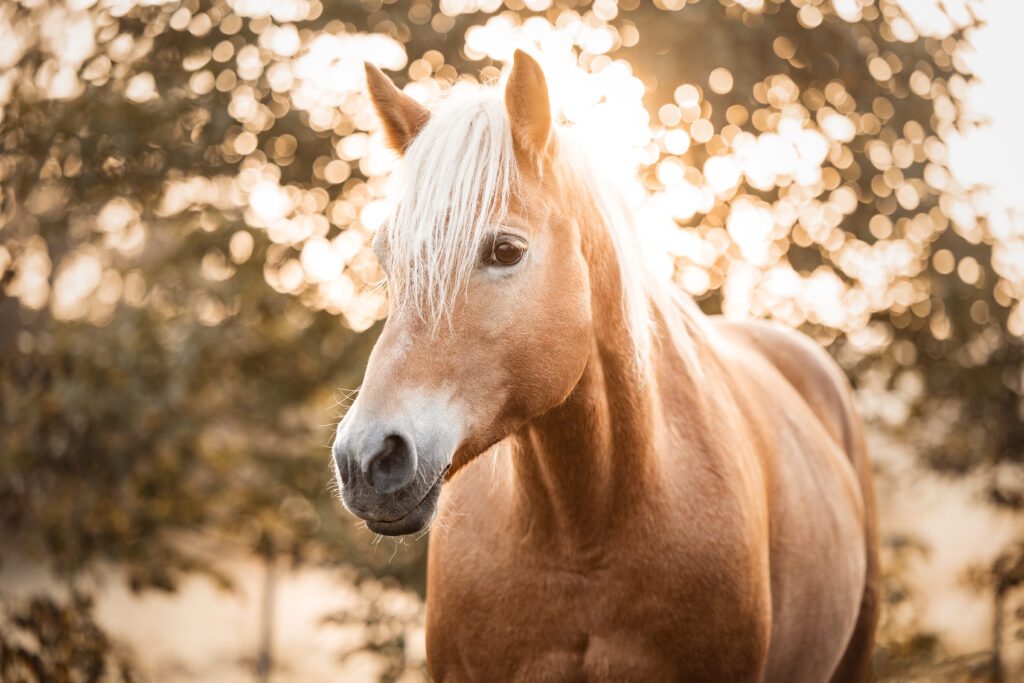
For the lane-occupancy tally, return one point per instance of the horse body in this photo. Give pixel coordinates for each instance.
(628, 489)
(729, 547)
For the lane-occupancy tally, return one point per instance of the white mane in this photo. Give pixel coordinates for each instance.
(456, 181)
(642, 293)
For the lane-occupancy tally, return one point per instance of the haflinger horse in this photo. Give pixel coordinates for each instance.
(627, 489)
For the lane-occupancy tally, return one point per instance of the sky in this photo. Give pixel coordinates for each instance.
(991, 154)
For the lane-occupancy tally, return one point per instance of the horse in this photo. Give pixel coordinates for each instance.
(620, 488)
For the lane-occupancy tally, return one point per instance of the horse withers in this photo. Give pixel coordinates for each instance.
(621, 489)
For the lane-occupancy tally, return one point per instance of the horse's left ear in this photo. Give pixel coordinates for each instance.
(529, 111)
(402, 116)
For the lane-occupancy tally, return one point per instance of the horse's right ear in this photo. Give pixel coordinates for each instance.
(402, 116)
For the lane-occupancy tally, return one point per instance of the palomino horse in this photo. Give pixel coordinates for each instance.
(631, 491)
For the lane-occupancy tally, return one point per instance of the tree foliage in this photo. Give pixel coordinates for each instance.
(49, 640)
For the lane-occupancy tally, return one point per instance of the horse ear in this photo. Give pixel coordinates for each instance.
(529, 111)
(402, 116)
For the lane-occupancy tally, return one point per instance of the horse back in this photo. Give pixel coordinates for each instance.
(810, 370)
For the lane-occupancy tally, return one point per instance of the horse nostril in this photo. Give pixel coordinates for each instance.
(343, 463)
(392, 467)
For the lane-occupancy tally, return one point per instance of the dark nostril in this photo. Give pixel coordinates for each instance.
(392, 467)
(343, 463)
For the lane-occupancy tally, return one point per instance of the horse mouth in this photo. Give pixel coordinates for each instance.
(417, 519)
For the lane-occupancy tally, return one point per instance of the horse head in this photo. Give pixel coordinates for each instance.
(490, 301)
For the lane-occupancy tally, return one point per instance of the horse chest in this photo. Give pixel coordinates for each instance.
(512, 620)
(559, 626)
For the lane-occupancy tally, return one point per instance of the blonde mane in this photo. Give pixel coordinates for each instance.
(456, 181)
(643, 294)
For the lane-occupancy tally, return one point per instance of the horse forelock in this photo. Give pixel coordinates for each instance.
(455, 182)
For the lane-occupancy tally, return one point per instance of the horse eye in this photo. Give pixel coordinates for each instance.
(507, 253)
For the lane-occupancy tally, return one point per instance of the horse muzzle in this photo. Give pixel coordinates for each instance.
(386, 479)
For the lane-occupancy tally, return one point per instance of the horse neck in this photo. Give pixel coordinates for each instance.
(584, 464)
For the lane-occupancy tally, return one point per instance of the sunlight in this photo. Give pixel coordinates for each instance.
(686, 165)
(692, 175)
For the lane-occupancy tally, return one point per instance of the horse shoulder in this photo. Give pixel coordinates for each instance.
(490, 582)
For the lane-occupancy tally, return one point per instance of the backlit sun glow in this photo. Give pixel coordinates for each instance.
(721, 204)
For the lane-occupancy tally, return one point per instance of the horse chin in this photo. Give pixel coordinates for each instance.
(417, 519)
